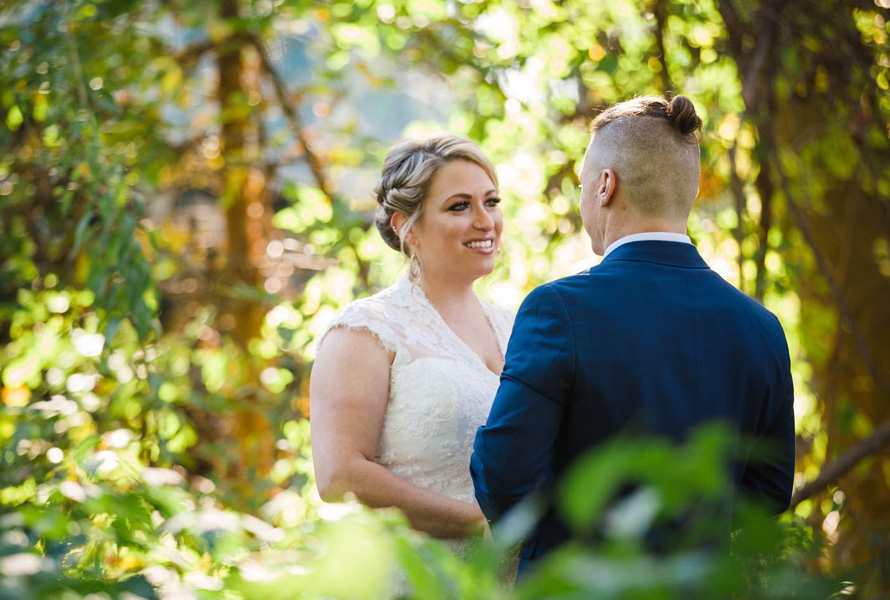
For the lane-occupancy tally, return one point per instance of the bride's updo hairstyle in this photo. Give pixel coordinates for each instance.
(652, 145)
(408, 171)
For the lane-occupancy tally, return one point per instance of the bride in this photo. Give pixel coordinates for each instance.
(403, 379)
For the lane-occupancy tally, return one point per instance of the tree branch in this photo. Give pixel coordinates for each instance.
(751, 85)
(444, 48)
(845, 462)
(765, 189)
(80, 83)
(738, 192)
(316, 164)
(734, 27)
(290, 111)
(189, 56)
(660, 10)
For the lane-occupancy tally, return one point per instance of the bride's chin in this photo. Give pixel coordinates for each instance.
(483, 272)
(471, 270)
(475, 274)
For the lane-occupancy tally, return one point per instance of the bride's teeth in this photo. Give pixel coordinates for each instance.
(485, 244)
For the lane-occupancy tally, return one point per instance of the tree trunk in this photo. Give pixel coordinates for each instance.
(243, 195)
(247, 225)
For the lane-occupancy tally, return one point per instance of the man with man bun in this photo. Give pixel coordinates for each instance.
(650, 340)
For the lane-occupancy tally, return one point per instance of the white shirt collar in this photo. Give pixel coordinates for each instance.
(648, 236)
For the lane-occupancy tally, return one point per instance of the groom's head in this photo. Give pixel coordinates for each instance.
(641, 168)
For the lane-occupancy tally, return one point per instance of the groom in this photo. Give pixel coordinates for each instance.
(650, 338)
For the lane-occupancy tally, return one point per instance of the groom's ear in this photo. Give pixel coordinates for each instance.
(606, 187)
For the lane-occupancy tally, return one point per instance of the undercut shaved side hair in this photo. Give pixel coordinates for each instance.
(651, 145)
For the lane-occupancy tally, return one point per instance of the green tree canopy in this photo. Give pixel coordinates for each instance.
(185, 201)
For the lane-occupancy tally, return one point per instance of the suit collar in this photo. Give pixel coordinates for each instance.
(674, 254)
(647, 236)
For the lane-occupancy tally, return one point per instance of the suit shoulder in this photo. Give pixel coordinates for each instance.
(565, 285)
(764, 318)
(752, 305)
(553, 297)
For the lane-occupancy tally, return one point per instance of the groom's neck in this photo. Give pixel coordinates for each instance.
(614, 231)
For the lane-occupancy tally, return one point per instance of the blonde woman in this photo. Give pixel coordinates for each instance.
(404, 378)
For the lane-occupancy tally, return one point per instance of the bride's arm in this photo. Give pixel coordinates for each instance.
(348, 395)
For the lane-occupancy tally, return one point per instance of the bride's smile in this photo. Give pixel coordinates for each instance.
(484, 246)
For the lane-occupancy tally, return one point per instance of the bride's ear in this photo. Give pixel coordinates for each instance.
(397, 222)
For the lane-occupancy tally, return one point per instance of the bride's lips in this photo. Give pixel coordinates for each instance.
(481, 245)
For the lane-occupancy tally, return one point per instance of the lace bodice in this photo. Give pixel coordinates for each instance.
(440, 390)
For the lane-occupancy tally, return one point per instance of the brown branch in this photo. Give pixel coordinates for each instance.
(765, 189)
(188, 56)
(872, 160)
(316, 164)
(313, 157)
(845, 462)
(734, 26)
(761, 113)
(738, 192)
(660, 11)
(751, 86)
(753, 62)
(79, 83)
(583, 108)
(187, 145)
(444, 50)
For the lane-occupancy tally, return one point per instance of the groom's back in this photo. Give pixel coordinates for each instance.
(665, 345)
(662, 345)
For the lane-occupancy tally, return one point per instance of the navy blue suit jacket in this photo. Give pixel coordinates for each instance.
(650, 336)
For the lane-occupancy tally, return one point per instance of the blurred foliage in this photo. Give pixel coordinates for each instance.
(184, 200)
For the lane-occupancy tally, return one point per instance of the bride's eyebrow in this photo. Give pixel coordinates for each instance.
(465, 196)
(462, 196)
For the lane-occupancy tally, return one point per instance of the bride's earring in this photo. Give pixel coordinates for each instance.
(414, 268)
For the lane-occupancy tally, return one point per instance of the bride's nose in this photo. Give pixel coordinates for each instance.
(483, 221)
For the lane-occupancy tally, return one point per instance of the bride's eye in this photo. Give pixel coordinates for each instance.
(458, 206)
(493, 201)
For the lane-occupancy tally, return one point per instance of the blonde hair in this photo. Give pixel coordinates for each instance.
(406, 177)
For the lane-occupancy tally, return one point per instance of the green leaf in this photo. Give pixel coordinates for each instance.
(14, 118)
(80, 232)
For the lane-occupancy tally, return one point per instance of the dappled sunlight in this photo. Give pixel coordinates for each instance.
(186, 199)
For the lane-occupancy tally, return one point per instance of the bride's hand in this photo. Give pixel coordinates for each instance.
(486, 532)
(481, 528)
(480, 525)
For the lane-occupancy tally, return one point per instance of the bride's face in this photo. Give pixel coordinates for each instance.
(459, 233)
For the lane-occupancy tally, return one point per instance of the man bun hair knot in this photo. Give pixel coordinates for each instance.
(681, 114)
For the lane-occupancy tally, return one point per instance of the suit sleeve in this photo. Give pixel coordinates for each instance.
(769, 478)
(512, 452)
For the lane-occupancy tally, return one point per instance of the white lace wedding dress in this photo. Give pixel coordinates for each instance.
(440, 390)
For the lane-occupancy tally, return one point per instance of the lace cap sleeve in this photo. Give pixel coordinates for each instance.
(367, 314)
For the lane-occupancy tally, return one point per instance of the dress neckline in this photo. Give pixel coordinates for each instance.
(416, 292)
